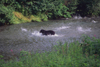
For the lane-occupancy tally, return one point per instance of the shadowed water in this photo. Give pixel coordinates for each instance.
(15, 38)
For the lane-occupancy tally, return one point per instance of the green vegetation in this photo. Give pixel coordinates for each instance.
(46, 9)
(75, 54)
(88, 7)
(42, 10)
(6, 14)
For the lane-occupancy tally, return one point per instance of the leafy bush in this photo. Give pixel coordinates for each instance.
(22, 19)
(9, 16)
(43, 16)
(41, 9)
(60, 10)
(91, 45)
(6, 14)
(72, 5)
(7, 2)
(52, 8)
(96, 9)
(88, 7)
(23, 6)
(35, 18)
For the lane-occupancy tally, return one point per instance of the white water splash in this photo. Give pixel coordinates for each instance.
(83, 30)
(36, 33)
(94, 21)
(56, 35)
(23, 29)
(77, 17)
(63, 27)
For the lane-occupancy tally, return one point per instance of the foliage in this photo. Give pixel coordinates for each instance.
(43, 16)
(72, 5)
(91, 45)
(52, 8)
(35, 18)
(1, 60)
(60, 11)
(9, 16)
(23, 6)
(6, 14)
(96, 8)
(88, 7)
(49, 8)
(66, 55)
(18, 5)
(22, 19)
(42, 10)
(7, 2)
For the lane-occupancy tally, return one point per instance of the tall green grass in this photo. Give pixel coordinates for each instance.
(75, 54)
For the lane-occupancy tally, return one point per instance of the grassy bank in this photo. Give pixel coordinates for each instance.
(75, 54)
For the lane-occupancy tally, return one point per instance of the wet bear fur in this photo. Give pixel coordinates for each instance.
(47, 32)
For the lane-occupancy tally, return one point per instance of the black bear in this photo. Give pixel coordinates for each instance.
(48, 32)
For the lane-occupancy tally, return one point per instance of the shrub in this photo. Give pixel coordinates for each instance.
(35, 18)
(60, 10)
(52, 8)
(43, 16)
(8, 17)
(88, 7)
(41, 9)
(72, 5)
(6, 14)
(91, 45)
(23, 6)
(22, 19)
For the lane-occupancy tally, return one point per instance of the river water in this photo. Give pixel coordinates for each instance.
(26, 36)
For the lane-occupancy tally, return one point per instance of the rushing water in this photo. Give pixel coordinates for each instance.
(15, 38)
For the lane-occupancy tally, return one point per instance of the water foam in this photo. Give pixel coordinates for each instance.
(94, 21)
(63, 27)
(23, 29)
(37, 33)
(83, 30)
(56, 35)
(77, 17)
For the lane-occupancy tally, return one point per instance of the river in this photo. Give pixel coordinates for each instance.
(26, 36)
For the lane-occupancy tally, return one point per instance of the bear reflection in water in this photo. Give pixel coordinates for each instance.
(47, 32)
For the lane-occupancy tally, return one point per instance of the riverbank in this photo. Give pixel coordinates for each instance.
(85, 54)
